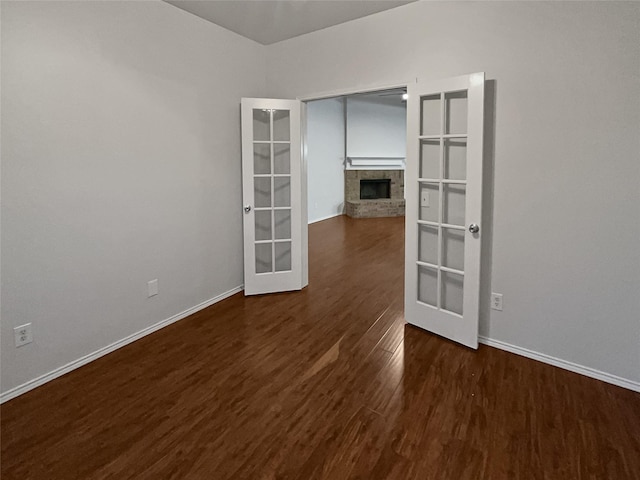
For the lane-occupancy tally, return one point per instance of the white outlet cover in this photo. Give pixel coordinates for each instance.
(496, 301)
(23, 334)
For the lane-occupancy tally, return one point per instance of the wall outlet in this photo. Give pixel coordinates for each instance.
(23, 334)
(496, 301)
(152, 287)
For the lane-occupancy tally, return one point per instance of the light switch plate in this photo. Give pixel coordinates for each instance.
(152, 286)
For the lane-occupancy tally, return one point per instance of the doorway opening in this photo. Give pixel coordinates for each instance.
(356, 154)
(444, 132)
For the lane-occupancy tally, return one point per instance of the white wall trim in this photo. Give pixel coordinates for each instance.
(351, 91)
(325, 218)
(47, 377)
(564, 364)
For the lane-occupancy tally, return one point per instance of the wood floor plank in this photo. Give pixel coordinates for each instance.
(328, 383)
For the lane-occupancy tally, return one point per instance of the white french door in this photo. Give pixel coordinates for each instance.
(272, 196)
(444, 205)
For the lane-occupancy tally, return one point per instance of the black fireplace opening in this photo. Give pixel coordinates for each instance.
(372, 189)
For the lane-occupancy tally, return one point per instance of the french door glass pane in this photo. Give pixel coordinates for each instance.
(262, 191)
(281, 125)
(282, 158)
(282, 186)
(429, 201)
(430, 115)
(263, 258)
(283, 256)
(261, 124)
(427, 285)
(430, 159)
(453, 248)
(428, 244)
(453, 197)
(282, 224)
(269, 191)
(263, 224)
(455, 112)
(451, 290)
(455, 158)
(261, 158)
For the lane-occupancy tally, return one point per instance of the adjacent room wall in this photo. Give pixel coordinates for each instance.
(325, 158)
(565, 169)
(120, 164)
(376, 126)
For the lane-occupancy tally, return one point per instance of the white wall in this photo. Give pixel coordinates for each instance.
(120, 161)
(325, 158)
(376, 126)
(564, 165)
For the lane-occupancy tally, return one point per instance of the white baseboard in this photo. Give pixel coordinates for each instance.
(47, 377)
(557, 362)
(326, 218)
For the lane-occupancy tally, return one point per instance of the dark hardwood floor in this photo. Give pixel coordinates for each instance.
(327, 383)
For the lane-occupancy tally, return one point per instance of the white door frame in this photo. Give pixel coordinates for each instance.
(304, 167)
(352, 91)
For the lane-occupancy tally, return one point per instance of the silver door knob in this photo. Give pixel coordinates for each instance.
(473, 228)
(247, 208)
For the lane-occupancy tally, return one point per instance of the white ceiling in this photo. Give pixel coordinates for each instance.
(270, 21)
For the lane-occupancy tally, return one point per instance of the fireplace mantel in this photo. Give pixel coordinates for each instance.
(375, 163)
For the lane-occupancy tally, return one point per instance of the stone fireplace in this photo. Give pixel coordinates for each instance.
(374, 193)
